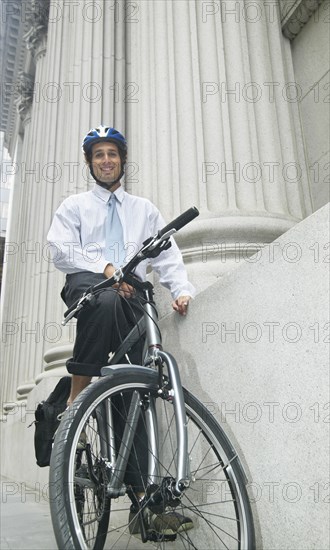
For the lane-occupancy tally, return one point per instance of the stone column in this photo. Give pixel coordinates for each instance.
(24, 383)
(87, 46)
(216, 127)
(29, 237)
(12, 375)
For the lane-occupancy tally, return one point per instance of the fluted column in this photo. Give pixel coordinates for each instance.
(216, 126)
(30, 239)
(12, 322)
(88, 64)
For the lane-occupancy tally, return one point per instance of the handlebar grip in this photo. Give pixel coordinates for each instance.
(180, 221)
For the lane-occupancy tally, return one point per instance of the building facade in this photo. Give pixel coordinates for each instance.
(225, 106)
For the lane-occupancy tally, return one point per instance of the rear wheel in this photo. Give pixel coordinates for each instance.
(78, 482)
(216, 499)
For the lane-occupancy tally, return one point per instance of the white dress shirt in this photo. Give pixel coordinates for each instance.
(77, 237)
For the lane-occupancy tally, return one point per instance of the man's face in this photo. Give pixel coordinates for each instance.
(106, 162)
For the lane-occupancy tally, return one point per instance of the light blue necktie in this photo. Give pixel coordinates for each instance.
(114, 239)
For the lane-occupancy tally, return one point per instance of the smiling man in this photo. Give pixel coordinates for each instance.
(92, 234)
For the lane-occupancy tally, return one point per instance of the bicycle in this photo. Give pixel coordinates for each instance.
(191, 466)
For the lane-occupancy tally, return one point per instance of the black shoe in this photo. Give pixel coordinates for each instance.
(170, 523)
(165, 524)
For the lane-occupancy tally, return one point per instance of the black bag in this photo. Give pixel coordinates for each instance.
(46, 422)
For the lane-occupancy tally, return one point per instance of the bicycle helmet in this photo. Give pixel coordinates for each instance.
(105, 133)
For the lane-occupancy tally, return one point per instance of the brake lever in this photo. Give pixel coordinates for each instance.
(82, 302)
(153, 242)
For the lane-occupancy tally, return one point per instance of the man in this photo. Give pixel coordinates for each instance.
(91, 235)
(85, 249)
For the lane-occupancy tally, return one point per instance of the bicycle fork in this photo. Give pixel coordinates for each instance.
(157, 357)
(146, 405)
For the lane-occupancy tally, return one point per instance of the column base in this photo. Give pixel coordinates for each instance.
(55, 359)
(23, 391)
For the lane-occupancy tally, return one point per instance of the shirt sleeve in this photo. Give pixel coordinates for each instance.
(169, 265)
(65, 246)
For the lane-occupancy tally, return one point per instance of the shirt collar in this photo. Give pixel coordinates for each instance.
(105, 195)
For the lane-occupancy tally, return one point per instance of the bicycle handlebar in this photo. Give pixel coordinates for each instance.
(152, 247)
(180, 221)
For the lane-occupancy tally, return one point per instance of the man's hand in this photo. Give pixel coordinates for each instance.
(181, 304)
(125, 290)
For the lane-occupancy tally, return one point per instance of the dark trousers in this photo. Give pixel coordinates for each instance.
(101, 326)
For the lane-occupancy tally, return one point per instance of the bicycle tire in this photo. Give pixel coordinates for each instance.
(216, 500)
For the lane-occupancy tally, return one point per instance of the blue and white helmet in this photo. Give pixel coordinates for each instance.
(103, 133)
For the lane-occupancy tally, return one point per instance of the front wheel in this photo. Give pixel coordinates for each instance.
(83, 514)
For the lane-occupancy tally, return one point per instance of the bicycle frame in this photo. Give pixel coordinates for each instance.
(156, 359)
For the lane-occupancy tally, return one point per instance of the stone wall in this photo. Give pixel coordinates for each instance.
(255, 349)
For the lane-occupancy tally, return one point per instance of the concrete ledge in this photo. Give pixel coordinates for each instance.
(254, 348)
